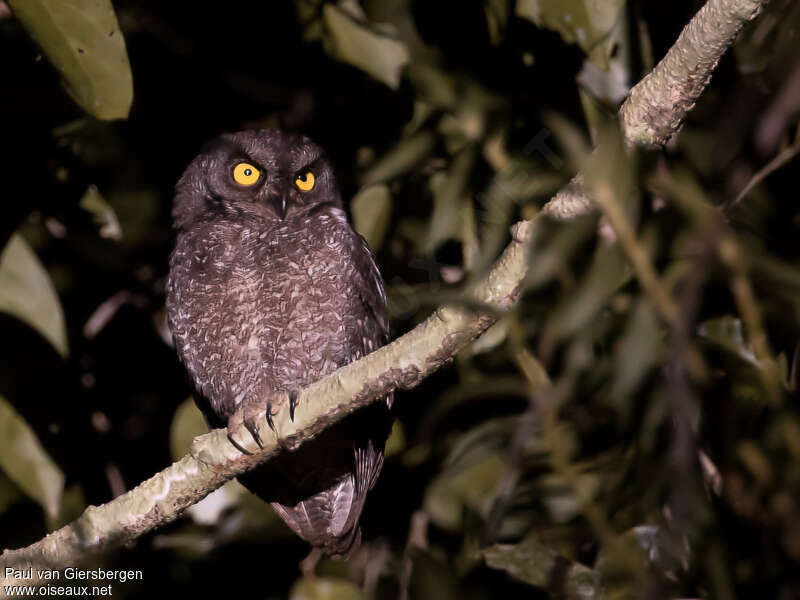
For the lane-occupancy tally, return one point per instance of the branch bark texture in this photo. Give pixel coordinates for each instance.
(650, 116)
(658, 104)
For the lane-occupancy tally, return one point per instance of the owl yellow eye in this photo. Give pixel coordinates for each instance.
(305, 182)
(245, 174)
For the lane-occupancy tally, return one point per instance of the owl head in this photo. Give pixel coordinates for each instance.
(266, 174)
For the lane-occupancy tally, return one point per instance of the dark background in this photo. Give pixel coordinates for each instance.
(104, 413)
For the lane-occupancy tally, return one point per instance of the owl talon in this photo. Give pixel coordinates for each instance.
(253, 429)
(246, 414)
(292, 404)
(237, 445)
(269, 416)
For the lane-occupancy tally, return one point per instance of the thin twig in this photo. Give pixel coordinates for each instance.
(783, 157)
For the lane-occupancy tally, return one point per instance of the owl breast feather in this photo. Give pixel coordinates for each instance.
(267, 310)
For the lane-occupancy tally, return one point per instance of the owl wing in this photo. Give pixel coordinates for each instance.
(371, 291)
(369, 457)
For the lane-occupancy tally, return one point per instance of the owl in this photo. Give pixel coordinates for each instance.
(269, 290)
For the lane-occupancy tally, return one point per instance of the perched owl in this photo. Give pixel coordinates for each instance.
(270, 289)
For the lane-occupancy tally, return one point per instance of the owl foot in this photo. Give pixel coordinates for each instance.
(247, 414)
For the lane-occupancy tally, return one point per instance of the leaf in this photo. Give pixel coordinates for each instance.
(564, 497)
(137, 211)
(433, 85)
(406, 154)
(587, 23)
(324, 588)
(27, 293)
(397, 440)
(351, 40)
(497, 12)
(623, 561)
(433, 577)
(473, 487)
(26, 462)
(82, 39)
(605, 276)
(639, 548)
(187, 423)
(371, 209)
(638, 350)
(448, 200)
(533, 562)
(73, 503)
(571, 138)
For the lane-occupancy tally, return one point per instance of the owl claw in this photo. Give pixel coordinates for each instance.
(246, 414)
(292, 403)
(253, 429)
(269, 416)
(237, 445)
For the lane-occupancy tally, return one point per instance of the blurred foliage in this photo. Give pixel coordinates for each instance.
(82, 40)
(585, 447)
(27, 293)
(26, 463)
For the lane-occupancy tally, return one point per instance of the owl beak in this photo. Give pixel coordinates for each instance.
(280, 206)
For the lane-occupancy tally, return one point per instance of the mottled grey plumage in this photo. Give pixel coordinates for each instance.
(269, 290)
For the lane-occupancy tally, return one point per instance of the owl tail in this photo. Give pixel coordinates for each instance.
(329, 523)
(329, 519)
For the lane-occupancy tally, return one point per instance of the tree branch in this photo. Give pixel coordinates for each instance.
(658, 104)
(651, 115)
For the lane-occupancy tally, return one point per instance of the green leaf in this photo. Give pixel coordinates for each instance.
(533, 562)
(397, 440)
(587, 23)
(497, 13)
(187, 423)
(27, 293)
(637, 351)
(371, 209)
(448, 200)
(324, 588)
(351, 40)
(607, 273)
(473, 486)
(136, 210)
(564, 496)
(433, 577)
(82, 39)
(26, 462)
(404, 156)
(623, 561)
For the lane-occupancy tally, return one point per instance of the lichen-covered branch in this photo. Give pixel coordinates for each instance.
(658, 104)
(651, 115)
